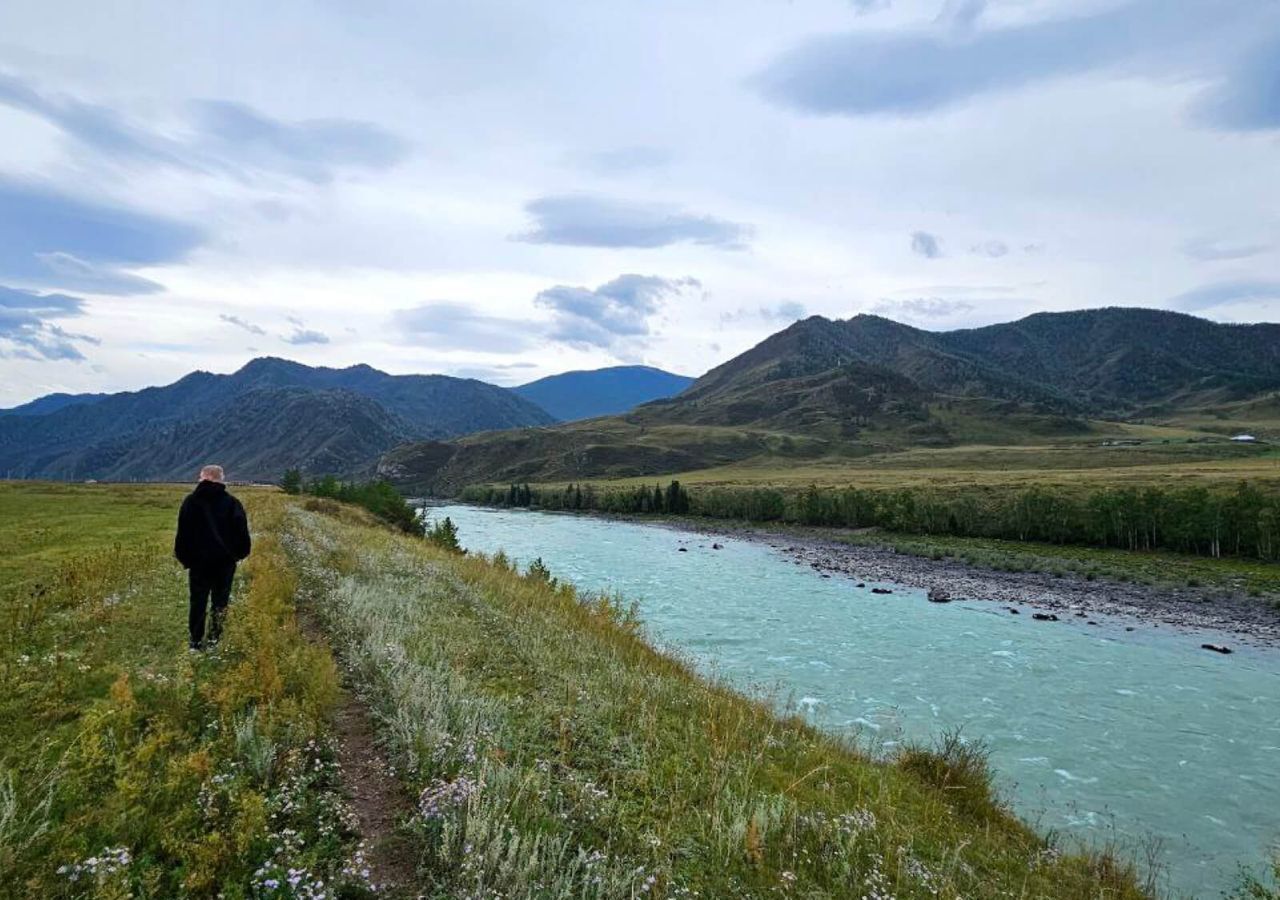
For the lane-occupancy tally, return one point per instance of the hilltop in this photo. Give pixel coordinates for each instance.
(601, 392)
(867, 385)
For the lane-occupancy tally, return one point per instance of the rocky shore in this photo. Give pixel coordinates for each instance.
(1250, 620)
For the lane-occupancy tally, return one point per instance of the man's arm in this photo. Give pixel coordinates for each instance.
(240, 531)
(182, 539)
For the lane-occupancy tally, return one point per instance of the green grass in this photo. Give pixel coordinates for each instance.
(127, 766)
(557, 754)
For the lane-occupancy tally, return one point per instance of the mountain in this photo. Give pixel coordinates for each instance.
(103, 438)
(50, 403)
(868, 384)
(601, 392)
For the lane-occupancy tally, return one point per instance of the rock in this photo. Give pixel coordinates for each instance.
(1091, 622)
(717, 546)
(1081, 615)
(861, 584)
(683, 550)
(1014, 610)
(938, 595)
(1216, 648)
(881, 591)
(1044, 617)
(1128, 628)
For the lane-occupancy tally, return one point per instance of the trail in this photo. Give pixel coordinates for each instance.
(377, 798)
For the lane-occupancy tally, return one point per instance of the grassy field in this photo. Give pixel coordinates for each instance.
(129, 767)
(551, 751)
(1068, 464)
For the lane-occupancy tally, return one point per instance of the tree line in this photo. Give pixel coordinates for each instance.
(1244, 521)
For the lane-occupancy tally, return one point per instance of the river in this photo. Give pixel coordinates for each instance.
(1096, 733)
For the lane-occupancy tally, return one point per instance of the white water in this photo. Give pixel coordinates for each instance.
(1096, 733)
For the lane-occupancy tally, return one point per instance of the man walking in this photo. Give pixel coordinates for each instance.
(213, 535)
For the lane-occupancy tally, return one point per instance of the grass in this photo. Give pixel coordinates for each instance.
(555, 753)
(127, 766)
(1069, 465)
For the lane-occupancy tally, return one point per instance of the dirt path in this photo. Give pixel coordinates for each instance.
(376, 796)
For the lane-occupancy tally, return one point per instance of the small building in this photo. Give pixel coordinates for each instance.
(1244, 438)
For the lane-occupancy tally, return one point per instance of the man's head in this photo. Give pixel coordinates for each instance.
(212, 473)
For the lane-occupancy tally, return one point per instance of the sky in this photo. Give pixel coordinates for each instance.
(507, 190)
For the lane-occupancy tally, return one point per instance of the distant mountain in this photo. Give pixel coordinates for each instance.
(50, 403)
(601, 392)
(104, 438)
(869, 384)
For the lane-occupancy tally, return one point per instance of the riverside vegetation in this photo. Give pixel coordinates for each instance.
(553, 752)
(1243, 522)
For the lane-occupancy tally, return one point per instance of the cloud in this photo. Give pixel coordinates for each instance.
(241, 323)
(457, 325)
(1223, 293)
(1209, 250)
(302, 336)
(53, 240)
(992, 249)
(1248, 98)
(26, 324)
(917, 308)
(611, 314)
(961, 15)
(785, 311)
(622, 160)
(925, 244)
(221, 135)
(310, 148)
(581, 220)
(928, 69)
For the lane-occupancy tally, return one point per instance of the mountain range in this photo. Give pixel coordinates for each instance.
(601, 392)
(275, 414)
(869, 384)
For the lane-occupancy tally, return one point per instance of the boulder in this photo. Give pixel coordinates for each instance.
(1216, 648)
(881, 591)
(938, 595)
(1044, 617)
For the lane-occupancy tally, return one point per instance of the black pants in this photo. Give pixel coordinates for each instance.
(206, 581)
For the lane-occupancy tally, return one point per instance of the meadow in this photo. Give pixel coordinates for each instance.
(543, 747)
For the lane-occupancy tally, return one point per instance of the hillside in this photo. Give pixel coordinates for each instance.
(152, 433)
(570, 396)
(869, 385)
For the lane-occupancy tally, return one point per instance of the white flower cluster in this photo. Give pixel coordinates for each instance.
(99, 868)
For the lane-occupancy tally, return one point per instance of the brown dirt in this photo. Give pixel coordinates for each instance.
(377, 797)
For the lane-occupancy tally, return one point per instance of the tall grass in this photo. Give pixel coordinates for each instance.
(555, 753)
(130, 768)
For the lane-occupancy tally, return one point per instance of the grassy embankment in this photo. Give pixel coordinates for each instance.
(129, 767)
(555, 753)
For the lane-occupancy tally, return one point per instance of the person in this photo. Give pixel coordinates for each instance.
(213, 535)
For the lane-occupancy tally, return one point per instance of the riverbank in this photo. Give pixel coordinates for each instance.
(870, 557)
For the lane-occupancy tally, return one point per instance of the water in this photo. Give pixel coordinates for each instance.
(1097, 733)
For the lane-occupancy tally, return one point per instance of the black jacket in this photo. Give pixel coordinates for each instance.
(212, 528)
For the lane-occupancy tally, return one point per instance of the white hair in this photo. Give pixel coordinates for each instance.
(212, 473)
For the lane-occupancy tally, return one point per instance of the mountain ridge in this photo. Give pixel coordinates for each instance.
(869, 384)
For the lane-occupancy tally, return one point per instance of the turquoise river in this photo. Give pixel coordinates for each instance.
(1098, 734)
